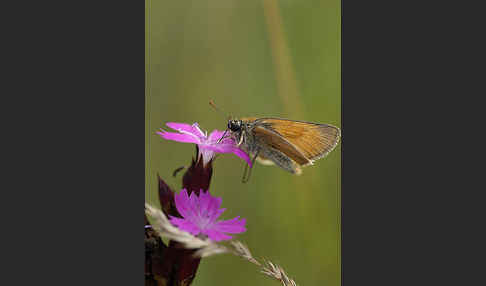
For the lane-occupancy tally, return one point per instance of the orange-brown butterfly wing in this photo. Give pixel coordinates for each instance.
(312, 140)
(276, 141)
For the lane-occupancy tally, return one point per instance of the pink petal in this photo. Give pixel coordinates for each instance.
(210, 205)
(185, 225)
(226, 148)
(176, 220)
(194, 208)
(184, 138)
(215, 148)
(182, 203)
(216, 235)
(215, 215)
(240, 153)
(228, 140)
(213, 208)
(231, 226)
(200, 214)
(187, 128)
(216, 135)
(204, 201)
(207, 155)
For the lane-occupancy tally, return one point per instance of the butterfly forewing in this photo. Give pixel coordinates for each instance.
(311, 140)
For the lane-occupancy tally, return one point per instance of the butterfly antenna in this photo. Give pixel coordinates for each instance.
(211, 102)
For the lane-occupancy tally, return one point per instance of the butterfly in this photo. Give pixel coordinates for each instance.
(289, 144)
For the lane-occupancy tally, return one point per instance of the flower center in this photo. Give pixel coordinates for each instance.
(204, 220)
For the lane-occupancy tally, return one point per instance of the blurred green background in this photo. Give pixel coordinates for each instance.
(253, 58)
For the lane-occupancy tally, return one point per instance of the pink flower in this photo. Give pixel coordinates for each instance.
(200, 215)
(208, 145)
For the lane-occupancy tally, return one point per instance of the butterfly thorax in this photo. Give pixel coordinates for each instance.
(241, 132)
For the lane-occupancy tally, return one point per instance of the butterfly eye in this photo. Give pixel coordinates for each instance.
(234, 125)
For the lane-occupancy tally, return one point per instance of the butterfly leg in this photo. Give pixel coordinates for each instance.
(245, 179)
(244, 173)
(241, 139)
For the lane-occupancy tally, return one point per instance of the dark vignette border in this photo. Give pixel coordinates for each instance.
(407, 212)
(374, 245)
(76, 163)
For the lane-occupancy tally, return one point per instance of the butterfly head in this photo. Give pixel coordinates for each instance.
(234, 125)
